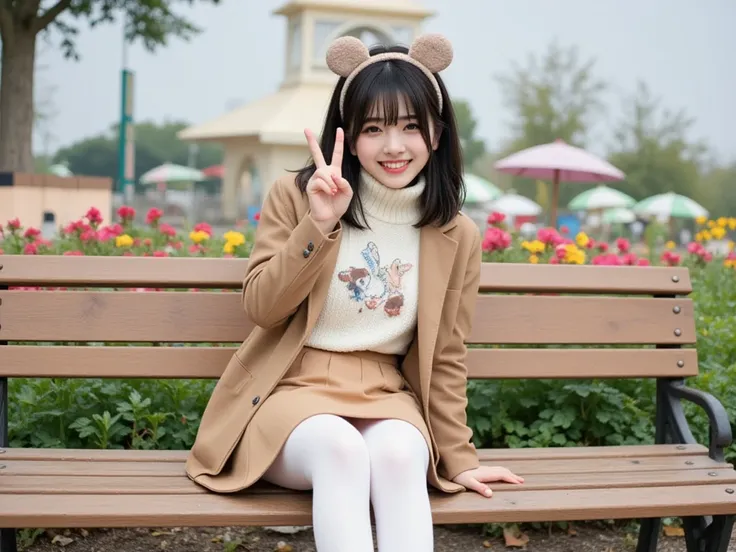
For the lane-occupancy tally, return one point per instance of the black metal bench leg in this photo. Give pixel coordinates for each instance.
(7, 541)
(708, 534)
(649, 535)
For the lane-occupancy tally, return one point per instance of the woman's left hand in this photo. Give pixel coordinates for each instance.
(477, 478)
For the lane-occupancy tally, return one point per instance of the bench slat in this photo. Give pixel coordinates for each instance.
(31, 270)
(522, 467)
(209, 362)
(115, 455)
(219, 317)
(79, 484)
(200, 510)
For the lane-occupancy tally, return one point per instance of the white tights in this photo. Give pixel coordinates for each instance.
(352, 465)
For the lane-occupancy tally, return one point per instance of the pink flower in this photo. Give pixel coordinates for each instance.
(94, 216)
(628, 259)
(108, 232)
(30, 249)
(167, 230)
(560, 251)
(496, 239)
(88, 235)
(14, 224)
(160, 254)
(550, 236)
(494, 218)
(75, 253)
(153, 215)
(623, 245)
(203, 227)
(695, 248)
(564, 230)
(554, 260)
(607, 259)
(257, 216)
(643, 262)
(602, 246)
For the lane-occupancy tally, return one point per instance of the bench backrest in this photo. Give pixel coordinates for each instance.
(535, 321)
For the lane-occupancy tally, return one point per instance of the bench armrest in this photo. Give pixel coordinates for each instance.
(720, 426)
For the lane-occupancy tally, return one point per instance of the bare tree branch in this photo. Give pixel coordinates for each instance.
(47, 17)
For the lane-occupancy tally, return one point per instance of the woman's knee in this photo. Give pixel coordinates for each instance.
(337, 441)
(396, 447)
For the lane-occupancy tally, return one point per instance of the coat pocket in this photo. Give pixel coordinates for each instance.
(236, 376)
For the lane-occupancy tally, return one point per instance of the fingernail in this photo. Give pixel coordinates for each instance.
(489, 492)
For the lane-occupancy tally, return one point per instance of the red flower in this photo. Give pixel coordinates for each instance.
(32, 233)
(14, 224)
(550, 236)
(642, 262)
(564, 230)
(153, 215)
(30, 249)
(494, 218)
(160, 254)
(88, 235)
(257, 216)
(126, 213)
(602, 246)
(670, 258)
(75, 253)
(94, 216)
(623, 245)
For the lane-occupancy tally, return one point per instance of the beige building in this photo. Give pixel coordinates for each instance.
(30, 197)
(266, 137)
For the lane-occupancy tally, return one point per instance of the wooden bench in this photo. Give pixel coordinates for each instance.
(520, 306)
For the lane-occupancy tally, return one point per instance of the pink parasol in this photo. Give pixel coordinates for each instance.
(559, 162)
(214, 171)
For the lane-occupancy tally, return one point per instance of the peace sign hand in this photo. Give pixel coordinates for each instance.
(328, 192)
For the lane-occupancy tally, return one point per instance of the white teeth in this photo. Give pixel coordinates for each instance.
(395, 165)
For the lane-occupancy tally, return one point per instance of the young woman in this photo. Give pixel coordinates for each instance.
(362, 284)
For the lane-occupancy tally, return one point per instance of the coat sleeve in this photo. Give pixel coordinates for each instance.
(286, 258)
(448, 384)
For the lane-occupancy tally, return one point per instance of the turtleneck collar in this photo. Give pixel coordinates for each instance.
(396, 206)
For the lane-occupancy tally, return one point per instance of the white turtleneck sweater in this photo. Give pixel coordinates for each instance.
(371, 304)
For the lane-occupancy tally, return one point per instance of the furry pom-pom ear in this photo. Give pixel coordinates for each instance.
(345, 54)
(434, 51)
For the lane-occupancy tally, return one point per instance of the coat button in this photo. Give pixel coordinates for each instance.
(310, 246)
(306, 253)
(256, 400)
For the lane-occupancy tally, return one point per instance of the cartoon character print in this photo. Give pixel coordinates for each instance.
(376, 285)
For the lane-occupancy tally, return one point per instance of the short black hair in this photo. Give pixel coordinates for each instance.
(385, 84)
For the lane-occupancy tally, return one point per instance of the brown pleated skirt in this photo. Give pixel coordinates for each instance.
(362, 385)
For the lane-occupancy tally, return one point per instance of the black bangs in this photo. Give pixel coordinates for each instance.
(381, 90)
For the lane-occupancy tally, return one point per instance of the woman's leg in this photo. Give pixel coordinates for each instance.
(327, 454)
(399, 459)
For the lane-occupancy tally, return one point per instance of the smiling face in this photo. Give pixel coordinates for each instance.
(392, 149)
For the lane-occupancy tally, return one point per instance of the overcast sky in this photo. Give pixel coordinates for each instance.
(684, 49)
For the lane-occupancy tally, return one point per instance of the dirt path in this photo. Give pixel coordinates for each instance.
(587, 538)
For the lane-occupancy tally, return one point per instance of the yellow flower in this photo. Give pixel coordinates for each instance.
(711, 224)
(533, 259)
(198, 236)
(582, 239)
(701, 220)
(573, 255)
(732, 223)
(722, 222)
(229, 247)
(670, 245)
(707, 236)
(730, 263)
(123, 241)
(234, 238)
(718, 232)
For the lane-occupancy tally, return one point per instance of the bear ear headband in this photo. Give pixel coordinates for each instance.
(347, 56)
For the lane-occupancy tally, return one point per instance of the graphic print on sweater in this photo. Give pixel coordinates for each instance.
(376, 285)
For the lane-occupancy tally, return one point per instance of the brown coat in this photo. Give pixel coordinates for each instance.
(284, 289)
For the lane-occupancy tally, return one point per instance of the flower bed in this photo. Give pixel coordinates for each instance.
(165, 413)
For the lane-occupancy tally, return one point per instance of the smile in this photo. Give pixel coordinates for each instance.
(394, 167)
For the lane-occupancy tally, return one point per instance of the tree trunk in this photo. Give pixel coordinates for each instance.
(16, 101)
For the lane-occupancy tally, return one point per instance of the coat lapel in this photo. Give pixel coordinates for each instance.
(436, 258)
